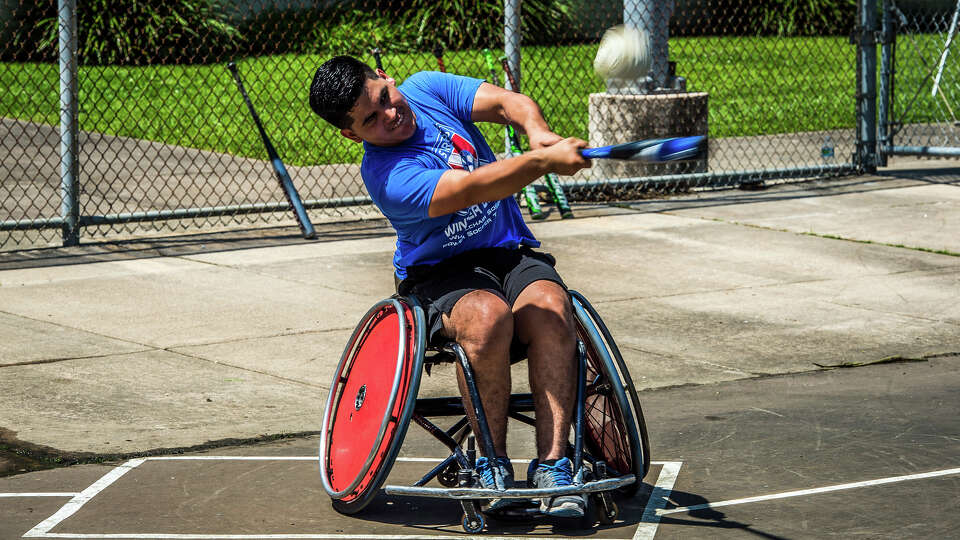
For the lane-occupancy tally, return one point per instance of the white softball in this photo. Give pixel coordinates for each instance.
(624, 53)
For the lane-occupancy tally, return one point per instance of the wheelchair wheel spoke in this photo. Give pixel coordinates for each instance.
(604, 419)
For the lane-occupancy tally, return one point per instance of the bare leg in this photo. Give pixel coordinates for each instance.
(544, 322)
(482, 324)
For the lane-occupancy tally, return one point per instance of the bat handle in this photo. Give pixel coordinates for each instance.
(505, 62)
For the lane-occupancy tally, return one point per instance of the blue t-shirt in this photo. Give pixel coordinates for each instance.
(401, 179)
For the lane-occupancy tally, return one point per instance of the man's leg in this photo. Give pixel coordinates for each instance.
(544, 321)
(482, 323)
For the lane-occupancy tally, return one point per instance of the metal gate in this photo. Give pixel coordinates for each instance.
(919, 98)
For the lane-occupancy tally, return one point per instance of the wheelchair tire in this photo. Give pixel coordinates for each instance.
(614, 429)
(370, 403)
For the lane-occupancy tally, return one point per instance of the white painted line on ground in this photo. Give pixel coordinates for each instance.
(662, 490)
(292, 536)
(650, 521)
(74, 504)
(231, 458)
(798, 493)
(38, 494)
(289, 458)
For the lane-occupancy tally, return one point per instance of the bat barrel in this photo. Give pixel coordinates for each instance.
(652, 150)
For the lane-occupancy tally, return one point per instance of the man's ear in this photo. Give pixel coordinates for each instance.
(348, 133)
(383, 75)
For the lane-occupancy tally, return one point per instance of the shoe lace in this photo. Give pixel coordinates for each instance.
(485, 468)
(560, 475)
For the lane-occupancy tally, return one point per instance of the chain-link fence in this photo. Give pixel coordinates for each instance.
(921, 78)
(166, 144)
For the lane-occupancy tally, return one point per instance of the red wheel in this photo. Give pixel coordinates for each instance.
(371, 400)
(614, 429)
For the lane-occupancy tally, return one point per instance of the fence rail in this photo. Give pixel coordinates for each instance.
(163, 141)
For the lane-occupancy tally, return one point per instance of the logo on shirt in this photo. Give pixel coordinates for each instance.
(460, 153)
(470, 222)
(456, 149)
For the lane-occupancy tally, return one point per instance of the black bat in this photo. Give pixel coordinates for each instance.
(438, 53)
(529, 193)
(289, 190)
(376, 58)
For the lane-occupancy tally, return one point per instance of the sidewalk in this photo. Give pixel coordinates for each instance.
(124, 348)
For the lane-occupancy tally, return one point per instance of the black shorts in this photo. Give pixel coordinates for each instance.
(504, 272)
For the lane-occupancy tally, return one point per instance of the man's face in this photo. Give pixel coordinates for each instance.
(381, 115)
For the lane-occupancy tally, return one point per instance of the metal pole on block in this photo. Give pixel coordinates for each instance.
(69, 130)
(653, 17)
(867, 19)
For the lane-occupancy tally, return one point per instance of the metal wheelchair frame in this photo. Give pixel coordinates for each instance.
(597, 357)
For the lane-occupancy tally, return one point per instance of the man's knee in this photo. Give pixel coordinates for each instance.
(481, 319)
(547, 315)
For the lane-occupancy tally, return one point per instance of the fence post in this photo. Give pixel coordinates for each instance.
(511, 39)
(511, 48)
(885, 97)
(653, 16)
(867, 103)
(69, 131)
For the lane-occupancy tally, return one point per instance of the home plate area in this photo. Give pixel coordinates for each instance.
(264, 497)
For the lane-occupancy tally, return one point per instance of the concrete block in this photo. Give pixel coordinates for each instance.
(619, 118)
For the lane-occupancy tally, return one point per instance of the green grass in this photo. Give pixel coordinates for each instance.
(756, 86)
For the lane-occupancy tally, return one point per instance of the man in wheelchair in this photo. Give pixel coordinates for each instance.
(462, 245)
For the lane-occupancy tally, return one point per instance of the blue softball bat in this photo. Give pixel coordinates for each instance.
(652, 150)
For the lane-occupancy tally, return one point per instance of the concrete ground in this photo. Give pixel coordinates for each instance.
(195, 342)
(868, 452)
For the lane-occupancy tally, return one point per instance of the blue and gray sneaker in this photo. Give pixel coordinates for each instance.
(554, 475)
(487, 469)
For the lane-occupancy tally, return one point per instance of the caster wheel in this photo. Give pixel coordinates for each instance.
(474, 525)
(448, 476)
(607, 514)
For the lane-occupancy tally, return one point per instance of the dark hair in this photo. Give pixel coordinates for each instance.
(336, 86)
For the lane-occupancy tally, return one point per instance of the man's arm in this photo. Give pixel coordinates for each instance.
(501, 106)
(458, 189)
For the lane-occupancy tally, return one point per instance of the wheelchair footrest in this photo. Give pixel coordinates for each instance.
(606, 484)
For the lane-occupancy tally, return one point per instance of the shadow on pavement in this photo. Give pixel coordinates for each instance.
(188, 244)
(886, 180)
(707, 517)
(441, 515)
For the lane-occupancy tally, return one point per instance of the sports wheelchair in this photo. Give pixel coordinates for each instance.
(373, 398)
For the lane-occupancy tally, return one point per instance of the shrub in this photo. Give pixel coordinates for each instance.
(21, 35)
(459, 24)
(760, 18)
(400, 27)
(356, 32)
(137, 32)
(805, 17)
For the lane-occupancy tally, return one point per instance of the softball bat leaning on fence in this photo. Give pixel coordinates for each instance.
(289, 190)
(652, 150)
